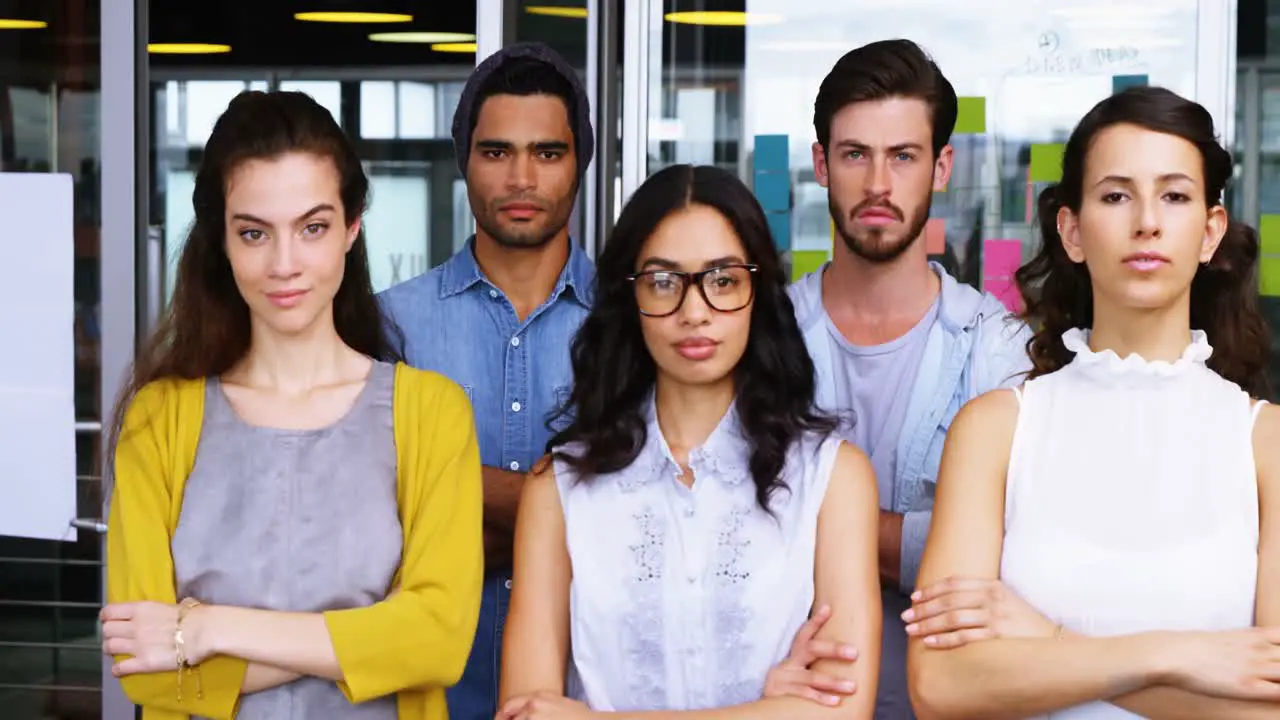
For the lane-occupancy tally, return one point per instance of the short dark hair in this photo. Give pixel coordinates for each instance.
(526, 76)
(885, 69)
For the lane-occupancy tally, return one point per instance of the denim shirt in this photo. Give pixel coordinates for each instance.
(975, 346)
(458, 323)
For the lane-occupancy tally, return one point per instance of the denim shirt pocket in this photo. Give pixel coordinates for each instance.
(556, 420)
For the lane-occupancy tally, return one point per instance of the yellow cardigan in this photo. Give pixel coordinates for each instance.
(415, 643)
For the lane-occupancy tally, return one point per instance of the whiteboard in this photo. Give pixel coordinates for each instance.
(37, 356)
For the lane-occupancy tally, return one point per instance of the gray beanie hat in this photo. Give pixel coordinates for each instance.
(584, 137)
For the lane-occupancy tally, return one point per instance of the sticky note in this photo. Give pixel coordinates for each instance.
(771, 153)
(780, 228)
(1046, 162)
(1120, 83)
(1006, 291)
(804, 262)
(972, 116)
(773, 190)
(1001, 258)
(1269, 276)
(935, 236)
(1269, 234)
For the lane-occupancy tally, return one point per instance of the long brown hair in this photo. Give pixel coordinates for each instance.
(205, 331)
(1224, 302)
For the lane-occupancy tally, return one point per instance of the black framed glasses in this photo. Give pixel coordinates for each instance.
(726, 288)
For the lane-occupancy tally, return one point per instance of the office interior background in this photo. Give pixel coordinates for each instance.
(122, 94)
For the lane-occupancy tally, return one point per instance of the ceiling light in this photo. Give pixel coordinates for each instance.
(722, 18)
(456, 47)
(353, 17)
(7, 24)
(187, 48)
(557, 11)
(422, 37)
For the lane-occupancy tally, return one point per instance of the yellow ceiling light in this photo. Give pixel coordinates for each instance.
(13, 24)
(353, 17)
(187, 48)
(557, 11)
(722, 18)
(422, 37)
(455, 47)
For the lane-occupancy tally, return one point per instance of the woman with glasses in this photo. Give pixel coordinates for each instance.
(695, 508)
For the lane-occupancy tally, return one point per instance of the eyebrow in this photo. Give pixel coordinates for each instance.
(899, 147)
(536, 146)
(661, 263)
(313, 211)
(1165, 178)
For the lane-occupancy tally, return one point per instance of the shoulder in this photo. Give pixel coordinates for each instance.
(1266, 445)
(806, 298)
(421, 395)
(993, 410)
(165, 400)
(412, 293)
(1001, 355)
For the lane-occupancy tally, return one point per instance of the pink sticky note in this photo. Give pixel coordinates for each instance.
(935, 236)
(1001, 258)
(1006, 291)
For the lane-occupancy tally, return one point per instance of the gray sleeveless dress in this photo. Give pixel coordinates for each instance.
(294, 520)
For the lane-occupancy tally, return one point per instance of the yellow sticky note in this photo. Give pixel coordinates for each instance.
(972, 116)
(804, 262)
(1269, 234)
(1269, 276)
(1046, 162)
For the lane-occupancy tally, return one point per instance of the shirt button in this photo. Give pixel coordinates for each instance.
(514, 466)
(688, 512)
(515, 341)
(692, 579)
(515, 407)
(507, 583)
(493, 293)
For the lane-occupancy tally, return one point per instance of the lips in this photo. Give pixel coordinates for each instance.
(1145, 261)
(696, 349)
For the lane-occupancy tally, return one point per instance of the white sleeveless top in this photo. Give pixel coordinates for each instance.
(684, 598)
(1132, 498)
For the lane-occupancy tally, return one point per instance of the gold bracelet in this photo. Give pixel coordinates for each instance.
(180, 649)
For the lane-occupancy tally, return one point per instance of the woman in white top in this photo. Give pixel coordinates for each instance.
(695, 508)
(1130, 491)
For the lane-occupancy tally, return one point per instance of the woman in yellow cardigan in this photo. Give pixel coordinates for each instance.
(295, 519)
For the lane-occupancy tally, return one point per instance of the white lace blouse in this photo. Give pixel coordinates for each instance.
(1132, 498)
(684, 598)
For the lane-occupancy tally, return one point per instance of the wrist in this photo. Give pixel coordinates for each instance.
(1160, 666)
(199, 629)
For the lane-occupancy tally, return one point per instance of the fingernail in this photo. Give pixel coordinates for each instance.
(848, 686)
(912, 628)
(831, 700)
(931, 640)
(849, 652)
(909, 614)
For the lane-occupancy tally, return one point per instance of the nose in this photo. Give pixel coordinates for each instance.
(520, 175)
(694, 311)
(878, 178)
(1148, 220)
(283, 262)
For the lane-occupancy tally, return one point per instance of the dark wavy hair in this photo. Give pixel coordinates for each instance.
(614, 373)
(205, 330)
(1224, 304)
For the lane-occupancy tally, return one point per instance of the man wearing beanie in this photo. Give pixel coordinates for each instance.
(499, 316)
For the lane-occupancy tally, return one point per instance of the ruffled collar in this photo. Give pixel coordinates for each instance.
(1107, 364)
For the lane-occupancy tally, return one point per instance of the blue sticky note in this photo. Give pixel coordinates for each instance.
(771, 153)
(1120, 83)
(780, 228)
(773, 190)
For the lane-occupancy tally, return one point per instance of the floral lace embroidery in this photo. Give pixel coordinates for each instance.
(732, 616)
(642, 632)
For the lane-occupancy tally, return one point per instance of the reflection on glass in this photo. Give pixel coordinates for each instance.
(1038, 66)
(50, 119)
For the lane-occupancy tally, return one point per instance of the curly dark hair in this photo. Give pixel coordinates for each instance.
(1224, 303)
(614, 374)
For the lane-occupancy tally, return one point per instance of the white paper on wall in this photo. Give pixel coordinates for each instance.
(37, 356)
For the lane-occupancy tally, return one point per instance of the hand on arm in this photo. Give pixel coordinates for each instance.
(845, 577)
(1020, 671)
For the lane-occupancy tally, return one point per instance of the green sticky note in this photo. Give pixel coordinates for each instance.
(1269, 234)
(804, 262)
(1046, 162)
(1269, 276)
(972, 116)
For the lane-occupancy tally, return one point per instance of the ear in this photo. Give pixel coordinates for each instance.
(352, 233)
(942, 168)
(1069, 232)
(820, 169)
(1214, 231)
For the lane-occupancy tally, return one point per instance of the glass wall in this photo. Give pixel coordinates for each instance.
(50, 122)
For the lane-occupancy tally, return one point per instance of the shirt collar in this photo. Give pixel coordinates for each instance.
(461, 272)
(724, 456)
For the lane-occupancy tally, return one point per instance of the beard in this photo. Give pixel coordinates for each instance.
(529, 234)
(874, 244)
